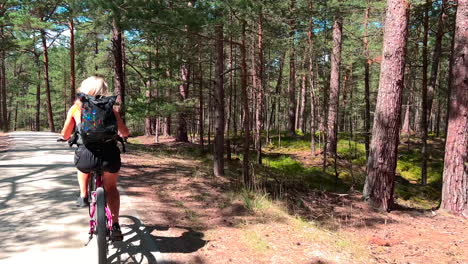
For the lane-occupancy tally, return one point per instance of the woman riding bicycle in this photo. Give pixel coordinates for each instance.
(108, 157)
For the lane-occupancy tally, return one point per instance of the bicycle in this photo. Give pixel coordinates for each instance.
(100, 222)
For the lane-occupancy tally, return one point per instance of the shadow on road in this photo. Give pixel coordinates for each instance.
(141, 246)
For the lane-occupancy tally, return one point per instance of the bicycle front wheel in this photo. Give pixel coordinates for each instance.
(101, 225)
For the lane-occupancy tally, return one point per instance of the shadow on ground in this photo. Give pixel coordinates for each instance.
(133, 251)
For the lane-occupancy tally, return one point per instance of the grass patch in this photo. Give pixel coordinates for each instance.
(290, 171)
(252, 201)
(255, 241)
(191, 215)
(337, 245)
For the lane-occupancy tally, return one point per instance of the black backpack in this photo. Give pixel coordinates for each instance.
(98, 125)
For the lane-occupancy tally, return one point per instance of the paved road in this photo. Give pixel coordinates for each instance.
(38, 220)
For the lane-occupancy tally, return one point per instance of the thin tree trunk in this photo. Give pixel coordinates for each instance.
(201, 106)
(303, 97)
(119, 79)
(424, 114)
(156, 129)
(334, 87)
(380, 181)
(50, 116)
(3, 102)
(218, 157)
(279, 84)
(292, 74)
(436, 57)
(367, 117)
(406, 123)
(148, 119)
(311, 77)
(259, 92)
(455, 177)
(182, 135)
(247, 178)
(71, 25)
(38, 94)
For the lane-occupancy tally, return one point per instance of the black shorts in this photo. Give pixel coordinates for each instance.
(108, 157)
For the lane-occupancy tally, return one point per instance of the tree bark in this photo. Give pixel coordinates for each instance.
(380, 181)
(455, 177)
(119, 78)
(50, 116)
(218, 157)
(334, 87)
(71, 25)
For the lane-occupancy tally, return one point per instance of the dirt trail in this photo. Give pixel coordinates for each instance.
(198, 219)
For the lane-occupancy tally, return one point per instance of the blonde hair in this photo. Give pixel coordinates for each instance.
(94, 86)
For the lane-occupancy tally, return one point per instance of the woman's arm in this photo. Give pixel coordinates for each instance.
(69, 124)
(123, 130)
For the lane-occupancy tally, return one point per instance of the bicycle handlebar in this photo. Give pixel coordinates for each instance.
(119, 138)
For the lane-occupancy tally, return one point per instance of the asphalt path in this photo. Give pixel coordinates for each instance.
(39, 222)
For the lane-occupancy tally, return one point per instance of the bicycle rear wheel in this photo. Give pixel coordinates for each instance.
(101, 225)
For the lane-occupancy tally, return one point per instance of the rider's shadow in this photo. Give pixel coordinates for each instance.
(140, 246)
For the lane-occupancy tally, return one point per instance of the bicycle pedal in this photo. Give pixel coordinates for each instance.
(89, 240)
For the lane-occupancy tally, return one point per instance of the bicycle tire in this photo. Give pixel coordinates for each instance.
(101, 225)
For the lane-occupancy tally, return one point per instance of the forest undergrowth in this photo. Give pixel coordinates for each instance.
(315, 215)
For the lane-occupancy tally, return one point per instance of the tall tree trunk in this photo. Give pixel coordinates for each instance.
(311, 77)
(436, 57)
(303, 97)
(367, 117)
(50, 116)
(3, 102)
(148, 118)
(119, 78)
(218, 157)
(292, 73)
(247, 178)
(201, 106)
(259, 92)
(38, 94)
(425, 113)
(455, 183)
(182, 135)
(341, 123)
(334, 87)
(279, 83)
(3, 94)
(406, 130)
(71, 25)
(380, 181)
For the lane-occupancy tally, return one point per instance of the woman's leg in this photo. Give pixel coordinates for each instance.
(83, 181)
(112, 194)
